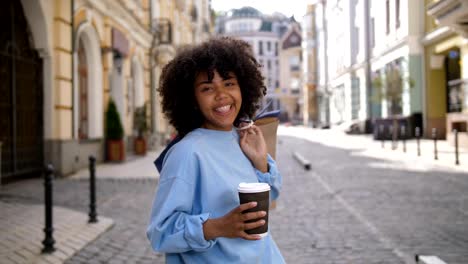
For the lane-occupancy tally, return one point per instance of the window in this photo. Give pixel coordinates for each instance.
(387, 12)
(83, 92)
(276, 48)
(294, 84)
(268, 46)
(355, 98)
(397, 13)
(269, 64)
(260, 47)
(294, 62)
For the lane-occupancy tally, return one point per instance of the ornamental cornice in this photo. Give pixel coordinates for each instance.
(114, 10)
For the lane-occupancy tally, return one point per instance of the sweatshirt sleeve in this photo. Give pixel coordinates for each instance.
(172, 227)
(272, 177)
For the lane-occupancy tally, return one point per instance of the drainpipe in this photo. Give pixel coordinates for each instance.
(152, 77)
(325, 49)
(368, 59)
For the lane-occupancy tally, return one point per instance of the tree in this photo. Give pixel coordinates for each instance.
(114, 129)
(389, 86)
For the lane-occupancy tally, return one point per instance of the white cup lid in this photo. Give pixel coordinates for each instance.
(253, 187)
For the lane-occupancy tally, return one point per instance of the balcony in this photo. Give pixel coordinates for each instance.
(451, 13)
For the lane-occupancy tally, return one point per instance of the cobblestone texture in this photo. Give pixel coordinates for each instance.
(349, 208)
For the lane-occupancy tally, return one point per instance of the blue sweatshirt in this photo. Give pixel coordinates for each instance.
(198, 181)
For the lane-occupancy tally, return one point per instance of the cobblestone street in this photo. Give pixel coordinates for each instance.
(349, 208)
(355, 209)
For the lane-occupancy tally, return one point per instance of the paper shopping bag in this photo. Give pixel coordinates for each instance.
(269, 127)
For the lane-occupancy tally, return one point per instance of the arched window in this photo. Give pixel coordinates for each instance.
(88, 108)
(83, 92)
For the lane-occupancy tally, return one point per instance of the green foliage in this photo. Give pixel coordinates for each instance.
(114, 129)
(140, 122)
(389, 86)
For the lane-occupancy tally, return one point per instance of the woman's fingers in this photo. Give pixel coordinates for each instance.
(253, 215)
(246, 206)
(259, 223)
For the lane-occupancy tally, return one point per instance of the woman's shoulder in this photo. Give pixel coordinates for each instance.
(187, 146)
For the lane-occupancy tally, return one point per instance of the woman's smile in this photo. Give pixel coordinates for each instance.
(219, 100)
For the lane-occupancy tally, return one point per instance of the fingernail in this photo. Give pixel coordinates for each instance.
(253, 203)
(262, 213)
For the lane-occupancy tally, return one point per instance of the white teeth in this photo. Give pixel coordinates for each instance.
(223, 109)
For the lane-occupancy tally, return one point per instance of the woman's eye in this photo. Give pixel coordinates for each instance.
(206, 89)
(229, 84)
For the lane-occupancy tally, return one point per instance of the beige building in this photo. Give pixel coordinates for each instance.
(66, 58)
(191, 23)
(290, 59)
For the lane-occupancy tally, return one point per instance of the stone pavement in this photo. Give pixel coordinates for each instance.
(22, 224)
(121, 187)
(363, 204)
(373, 148)
(21, 233)
(135, 168)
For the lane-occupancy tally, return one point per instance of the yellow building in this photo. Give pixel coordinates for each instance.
(64, 59)
(446, 68)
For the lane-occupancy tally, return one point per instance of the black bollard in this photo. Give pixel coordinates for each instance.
(382, 134)
(418, 134)
(403, 137)
(305, 163)
(434, 136)
(390, 130)
(92, 190)
(457, 162)
(48, 241)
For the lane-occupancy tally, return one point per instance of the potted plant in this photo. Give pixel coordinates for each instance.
(114, 132)
(141, 126)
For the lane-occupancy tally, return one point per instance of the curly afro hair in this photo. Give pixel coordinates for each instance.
(222, 54)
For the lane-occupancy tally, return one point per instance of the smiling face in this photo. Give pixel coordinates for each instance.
(219, 100)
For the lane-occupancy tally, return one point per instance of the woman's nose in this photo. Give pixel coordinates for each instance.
(220, 90)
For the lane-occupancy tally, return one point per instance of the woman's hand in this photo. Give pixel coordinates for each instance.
(254, 147)
(233, 225)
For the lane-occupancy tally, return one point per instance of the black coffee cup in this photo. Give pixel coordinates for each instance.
(260, 193)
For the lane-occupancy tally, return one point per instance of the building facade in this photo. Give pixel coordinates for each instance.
(316, 92)
(81, 53)
(379, 73)
(263, 32)
(189, 22)
(346, 66)
(446, 68)
(397, 57)
(290, 63)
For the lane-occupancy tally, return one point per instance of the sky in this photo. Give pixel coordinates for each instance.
(287, 7)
